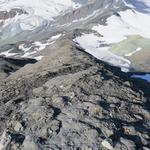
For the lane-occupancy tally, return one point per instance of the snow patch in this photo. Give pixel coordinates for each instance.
(55, 37)
(130, 54)
(33, 49)
(7, 53)
(93, 45)
(30, 49)
(128, 22)
(38, 58)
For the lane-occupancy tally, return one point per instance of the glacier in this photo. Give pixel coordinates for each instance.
(38, 15)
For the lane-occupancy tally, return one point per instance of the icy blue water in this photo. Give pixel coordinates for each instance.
(145, 77)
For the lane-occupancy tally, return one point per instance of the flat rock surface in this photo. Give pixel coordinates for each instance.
(72, 101)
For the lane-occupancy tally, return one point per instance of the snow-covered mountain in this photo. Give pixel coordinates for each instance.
(19, 16)
(118, 30)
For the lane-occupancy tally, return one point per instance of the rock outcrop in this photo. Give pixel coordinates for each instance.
(72, 101)
(12, 13)
(10, 65)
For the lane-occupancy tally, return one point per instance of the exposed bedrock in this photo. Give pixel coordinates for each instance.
(10, 65)
(12, 13)
(73, 101)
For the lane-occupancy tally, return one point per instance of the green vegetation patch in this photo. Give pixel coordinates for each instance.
(129, 45)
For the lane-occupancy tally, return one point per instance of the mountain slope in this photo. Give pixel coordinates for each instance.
(116, 21)
(59, 87)
(21, 17)
(73, 102)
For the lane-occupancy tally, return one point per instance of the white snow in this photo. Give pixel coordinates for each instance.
(31, 23)
(118, 27)
(37, 46)
(55, 37)
(145, 77)
(8, 53)
(40, 46)
(44, 8)
(128, 23)
(135, 51)
(39, 14)
(24, 48)
(29, 54)
(91, 44)
(38, 57)
(33, 49)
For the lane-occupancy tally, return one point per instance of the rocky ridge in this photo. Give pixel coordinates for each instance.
(72, 101)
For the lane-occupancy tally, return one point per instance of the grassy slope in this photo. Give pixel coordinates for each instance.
(130, 44)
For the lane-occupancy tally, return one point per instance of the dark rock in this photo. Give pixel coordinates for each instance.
(12, 13)
(10, 65)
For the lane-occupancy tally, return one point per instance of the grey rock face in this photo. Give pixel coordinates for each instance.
(5, 141)
(12, 13)
(91, 9)
(73, 102)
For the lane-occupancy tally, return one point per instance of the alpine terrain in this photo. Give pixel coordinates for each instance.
(75, 75)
